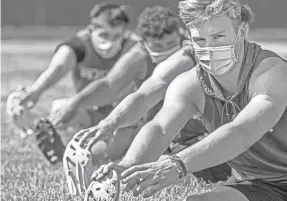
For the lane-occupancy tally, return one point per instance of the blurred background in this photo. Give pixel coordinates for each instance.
(56, 19)
(270, 13)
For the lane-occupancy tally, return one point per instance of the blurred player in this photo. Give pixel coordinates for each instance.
(161, 35)
(238, 90)
(89, 55)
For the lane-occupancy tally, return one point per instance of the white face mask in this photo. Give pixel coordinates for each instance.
(106, 48)
(158, 57)
(216, 60)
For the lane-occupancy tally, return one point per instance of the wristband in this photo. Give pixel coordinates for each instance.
(179, 165)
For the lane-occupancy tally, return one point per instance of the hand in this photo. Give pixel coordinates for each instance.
(63, 113)
(105, 170)
(102, 132)
(156, 175)
(105, 131)
(30, 97)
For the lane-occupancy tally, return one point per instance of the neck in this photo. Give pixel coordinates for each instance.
(229, 81)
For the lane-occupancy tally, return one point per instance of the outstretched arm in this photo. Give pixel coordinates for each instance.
(156, 135)
(136, 105)
(252, 123)
(269, 101)
(62, 61)
(105, 90)
(65, 58)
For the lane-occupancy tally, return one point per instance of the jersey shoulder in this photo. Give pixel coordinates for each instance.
(84, 34)
(76, 43)
(130, 40)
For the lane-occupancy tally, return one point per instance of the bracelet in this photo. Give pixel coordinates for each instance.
(179, 165)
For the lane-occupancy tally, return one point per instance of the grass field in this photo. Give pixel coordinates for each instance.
(24, 173)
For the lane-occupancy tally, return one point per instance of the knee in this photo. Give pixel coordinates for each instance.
(208, 196)
(99, 154)
(202, 197)
(195, 198)
(99, 148)
(221, 193)
(117, 147)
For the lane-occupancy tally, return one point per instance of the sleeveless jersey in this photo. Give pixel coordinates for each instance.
(267, 158)
(90, 65)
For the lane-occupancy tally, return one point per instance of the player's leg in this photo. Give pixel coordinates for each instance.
(52, 140)
(222, 193)
(84, 119)
(123, 138)
(245, 191)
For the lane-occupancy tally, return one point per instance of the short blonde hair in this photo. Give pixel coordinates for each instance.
(194, 13)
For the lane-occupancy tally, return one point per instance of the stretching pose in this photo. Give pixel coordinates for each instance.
(238, 91)
(110, 139)
(90, 55)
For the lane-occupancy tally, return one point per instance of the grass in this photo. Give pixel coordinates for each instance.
(24, 173)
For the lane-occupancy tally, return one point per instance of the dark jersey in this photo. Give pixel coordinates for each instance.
(267, 159)
(90, 65)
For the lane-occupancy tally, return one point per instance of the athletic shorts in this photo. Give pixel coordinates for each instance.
(262, 190)
(97, 114)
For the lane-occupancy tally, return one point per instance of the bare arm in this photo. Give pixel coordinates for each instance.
(254, 121)
(156, 135)
(137, 104)
(105, 90)
(62, 61)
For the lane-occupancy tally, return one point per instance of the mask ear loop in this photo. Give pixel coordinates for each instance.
(240, 44)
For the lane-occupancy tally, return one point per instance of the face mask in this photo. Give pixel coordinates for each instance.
(157, 57)
(106, 48)
(216, 60)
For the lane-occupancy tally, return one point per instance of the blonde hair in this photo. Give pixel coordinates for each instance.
(194, 13)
